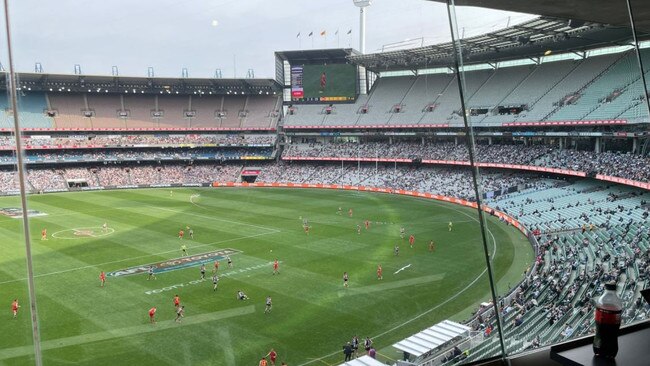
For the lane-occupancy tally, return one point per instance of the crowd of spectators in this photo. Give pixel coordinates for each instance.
(622, 165)
(149, 140)
(453, 182)
(116, 175)
(224, 153)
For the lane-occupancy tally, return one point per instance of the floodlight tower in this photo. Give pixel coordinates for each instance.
(362, 4)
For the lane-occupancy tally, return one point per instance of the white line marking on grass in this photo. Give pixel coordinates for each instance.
(110, 334)
(403, 268)
(427, 311)
(364, 290)
(133, 258)
(214, 218)
(83, 235)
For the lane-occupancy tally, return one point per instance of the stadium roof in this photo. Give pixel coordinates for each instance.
(525, 40)
(332, 55)
(599, 11)
(139, 85)
(431, 338)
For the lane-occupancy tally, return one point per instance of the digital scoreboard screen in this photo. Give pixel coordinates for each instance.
(323, 83)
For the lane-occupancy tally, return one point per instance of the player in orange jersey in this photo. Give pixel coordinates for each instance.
(102, 278)
(411, 240)
(15, 307)
(216, 267)
(152, 315)
(276, 266)
(350, 212)
(181, 233)
(379, 272)
(367, 224)
(44, 234)
(177, 301)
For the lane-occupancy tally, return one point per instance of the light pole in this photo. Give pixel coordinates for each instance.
(362, 5)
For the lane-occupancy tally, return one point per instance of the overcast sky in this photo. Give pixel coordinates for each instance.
(171, 34)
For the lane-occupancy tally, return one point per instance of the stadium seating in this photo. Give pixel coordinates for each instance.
(31, 107)
(106, 109)
(173, 107)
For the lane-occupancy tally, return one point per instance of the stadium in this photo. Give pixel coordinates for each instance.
(458, 202)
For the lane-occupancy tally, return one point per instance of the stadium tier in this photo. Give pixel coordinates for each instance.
(70, 110)
(627, 166)
(606, 87)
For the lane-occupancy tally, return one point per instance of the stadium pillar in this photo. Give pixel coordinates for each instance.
(470, 142)
(635, 145)
(22, 182)
(597, 147)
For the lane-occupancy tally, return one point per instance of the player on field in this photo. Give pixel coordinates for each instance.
(180, 313)
(432, 246)
(184, 250)
(216, 267)
(269, 305)
(203, 271)
(367, 344)
(241, 295)
(215, 282)
(358, 229)
(44, 234)
(15, 307)
(350, 212)
(181, 233)
(345, 279)
(191, 232)
(276, 266)
(367, 224)
(401, 232)
(177, 301)
(306, 228)
(396, 250)
(151, 274)
(102, 278)
(105, 227)
(323, 81)
(411, 240)
(272, 355)
(355, 346)
(152, 315)
(379, 272)
(263, 362)
(451, 225)
(229, 261)
(340, 211)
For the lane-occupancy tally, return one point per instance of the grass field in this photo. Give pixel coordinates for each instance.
(341, 80)
(313, 314)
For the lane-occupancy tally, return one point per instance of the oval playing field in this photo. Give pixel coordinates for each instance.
(313, 314)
